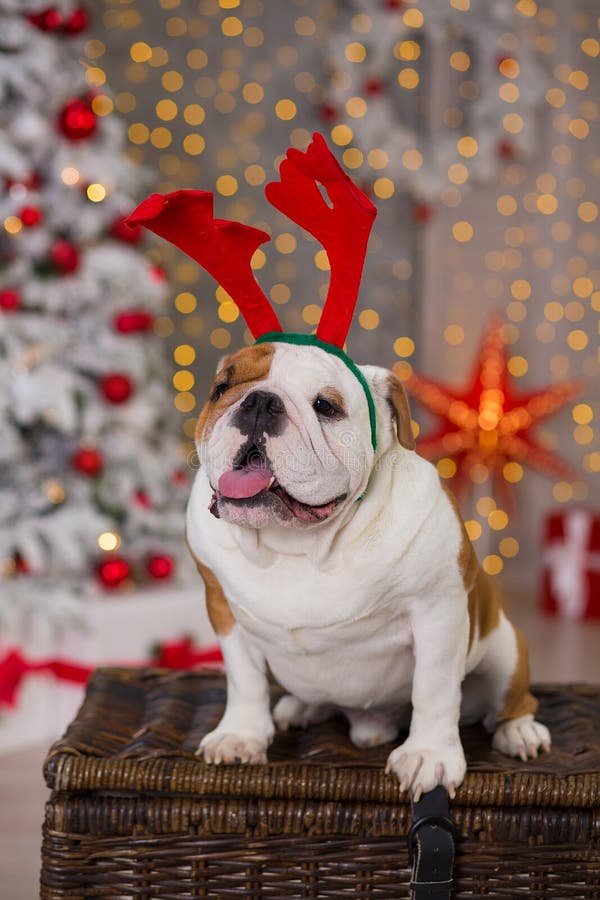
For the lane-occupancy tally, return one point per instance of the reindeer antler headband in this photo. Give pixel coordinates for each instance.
(225, 249)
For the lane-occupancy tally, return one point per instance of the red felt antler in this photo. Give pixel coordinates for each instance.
(342, 226)
(224, 249)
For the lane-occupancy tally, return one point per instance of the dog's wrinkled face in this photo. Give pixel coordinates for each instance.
(285, 437)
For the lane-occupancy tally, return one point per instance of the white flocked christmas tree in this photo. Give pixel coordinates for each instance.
(92, 481)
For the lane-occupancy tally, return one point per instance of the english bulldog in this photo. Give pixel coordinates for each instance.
(345, 570)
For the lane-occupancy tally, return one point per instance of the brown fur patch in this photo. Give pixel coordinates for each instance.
(485, 605)
(485, 600)
(333, 395)
(399, 402)
(518, 700)
(219, 613)
(239, 371)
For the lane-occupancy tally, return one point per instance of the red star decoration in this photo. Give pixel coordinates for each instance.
(487, 423)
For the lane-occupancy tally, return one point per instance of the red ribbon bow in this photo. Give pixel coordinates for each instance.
(15, 667)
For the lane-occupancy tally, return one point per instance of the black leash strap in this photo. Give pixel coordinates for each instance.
(431, 846)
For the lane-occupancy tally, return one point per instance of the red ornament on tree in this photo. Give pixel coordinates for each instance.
(157, 273)
(112, 572)
(422, 213)
(47, 20)
(65, 257)
(77, 120)
(133, 320)
(31, 216)
(142, 499)
(179, 477)
(116, 387)
(129, 234)
(328, 112)
(506, 150)
(160, 567)
(374, 86)
(21, 565)
(77, 22)
(10, 300)
(88, 461)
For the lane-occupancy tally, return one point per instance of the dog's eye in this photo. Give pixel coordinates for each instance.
(326, 409)
(219, 391)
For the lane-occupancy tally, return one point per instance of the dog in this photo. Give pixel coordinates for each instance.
(347, 571)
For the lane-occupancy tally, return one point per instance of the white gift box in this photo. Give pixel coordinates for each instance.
(113, 629)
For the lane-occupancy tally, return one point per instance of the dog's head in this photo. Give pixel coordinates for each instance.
(285, 436)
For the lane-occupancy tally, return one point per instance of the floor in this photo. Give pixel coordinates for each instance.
(560, 651)
(22, 798)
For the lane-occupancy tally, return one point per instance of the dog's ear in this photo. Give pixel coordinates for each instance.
(388, 391)
(398, 401)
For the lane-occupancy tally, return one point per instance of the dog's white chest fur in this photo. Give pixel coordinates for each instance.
(326, 663)
(339, 634)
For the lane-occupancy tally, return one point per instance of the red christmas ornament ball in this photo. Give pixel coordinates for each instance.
(34, 182)
(112, 572)
(374, 86)
(422, 213)
(123, 232)
(157, 273)
(31, 215)
(22, 567)
(77, 120)
(77, 22)
(116, 387)
(160, 566)
(328, 112)
(142, 499)
(506, 150)
(133, 320)
(88, 461)
(65, 257)
(47, 19)
(10, 300)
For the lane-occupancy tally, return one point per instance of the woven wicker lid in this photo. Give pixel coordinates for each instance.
(138, 729)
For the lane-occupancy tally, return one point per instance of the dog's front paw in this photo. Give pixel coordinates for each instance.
(219, 746)
(522, 737)
(420, 769)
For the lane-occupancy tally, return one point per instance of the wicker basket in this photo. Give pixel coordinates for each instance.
(134, 814)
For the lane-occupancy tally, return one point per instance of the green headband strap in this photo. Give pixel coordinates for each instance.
(311, 340)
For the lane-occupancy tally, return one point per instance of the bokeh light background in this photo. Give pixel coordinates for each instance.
(506, 220)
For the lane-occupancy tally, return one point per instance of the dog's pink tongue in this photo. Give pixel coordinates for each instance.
(253, 478)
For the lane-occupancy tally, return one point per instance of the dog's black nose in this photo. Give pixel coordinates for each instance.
(260, 412)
